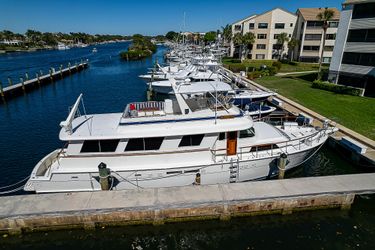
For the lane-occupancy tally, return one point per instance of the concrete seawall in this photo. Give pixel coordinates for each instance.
(156, 206)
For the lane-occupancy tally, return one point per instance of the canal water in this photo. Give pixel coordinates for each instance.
(29, 130)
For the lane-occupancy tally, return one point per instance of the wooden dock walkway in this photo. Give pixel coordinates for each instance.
(28, 84)
(156, 206)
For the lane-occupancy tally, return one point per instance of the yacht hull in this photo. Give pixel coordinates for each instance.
(235, 170)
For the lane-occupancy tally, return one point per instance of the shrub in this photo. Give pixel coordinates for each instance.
(293, 63)
(340, 89)
(253, 75)
(284, 61)
(272, 70)
(135, 54)
(277, 65)
(237, 68)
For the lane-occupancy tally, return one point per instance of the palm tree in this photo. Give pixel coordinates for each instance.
(292, 44)
(238, 41)
(248, 41)
(227, 33)
(281, 40)
(325, 16)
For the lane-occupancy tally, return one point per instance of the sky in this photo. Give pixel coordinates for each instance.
(127, 17)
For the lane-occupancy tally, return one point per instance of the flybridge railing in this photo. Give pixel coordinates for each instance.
(276, 148)
(150, 108)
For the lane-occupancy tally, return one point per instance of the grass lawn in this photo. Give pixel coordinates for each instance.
(284, 69)
(356, 113)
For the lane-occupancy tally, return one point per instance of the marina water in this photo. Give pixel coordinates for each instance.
(29, 130)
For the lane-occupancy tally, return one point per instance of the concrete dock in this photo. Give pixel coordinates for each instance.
(88, 210)
(366, 158)
(26, 84)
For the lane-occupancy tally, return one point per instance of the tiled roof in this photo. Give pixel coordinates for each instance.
(309, 14)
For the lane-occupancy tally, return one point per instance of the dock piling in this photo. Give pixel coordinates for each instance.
(69, 68)
(10, 81)
(37, 77)
(281, 165)
(23, 83)
(104, 176)
(1, 89)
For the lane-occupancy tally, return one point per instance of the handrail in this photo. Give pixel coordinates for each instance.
(301, 140)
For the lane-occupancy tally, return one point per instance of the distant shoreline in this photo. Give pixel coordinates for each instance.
(28, 50)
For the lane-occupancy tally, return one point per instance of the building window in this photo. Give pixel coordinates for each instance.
(262, 25)
(262, 36)
(279, 25)
(311, 48)
(191, 140)
(365, 59)
(333, 24)
(328, 48)
(251, 26)
(290, 35)
(261, 46)
(363, 35)
(95, 146)
(310, 59)
(314, 24)
(276, 36)
(365, 10)
(330, 36)
(140, 144)
(313, 37)
(291, 25)
(260, 56)
(237, 27)
(326, 60)
(276, 46)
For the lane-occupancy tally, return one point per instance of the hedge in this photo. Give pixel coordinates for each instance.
(135, 54)
(340, 89)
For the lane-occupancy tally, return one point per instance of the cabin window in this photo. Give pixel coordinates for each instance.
(94, 146)
(140, 144)
(174, 172)
(247, 133)
(191, 140)
(221, 136)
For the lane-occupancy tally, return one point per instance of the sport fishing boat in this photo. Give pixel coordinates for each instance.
(199, 140)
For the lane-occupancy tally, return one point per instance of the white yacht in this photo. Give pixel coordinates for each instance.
(187, 141)
(62, 46)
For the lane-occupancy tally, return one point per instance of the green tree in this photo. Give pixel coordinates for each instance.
(292, 44)
(248, 40)
(171, 35)
(227, 33)
(238, 42)
(210, 37)
(33, 36)
(325, 16)
(281, 40)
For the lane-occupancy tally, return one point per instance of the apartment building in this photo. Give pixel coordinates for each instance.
(309, 32)
(266, 27)
(353, 62)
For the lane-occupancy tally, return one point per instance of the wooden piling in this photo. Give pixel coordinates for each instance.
(61, 74)
(27, 76)
(23, 83)
(38, 78)
(1, 89)
(69, 67)
(10, 81)
(281, 165)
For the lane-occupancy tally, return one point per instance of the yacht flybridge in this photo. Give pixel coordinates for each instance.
(189, 140)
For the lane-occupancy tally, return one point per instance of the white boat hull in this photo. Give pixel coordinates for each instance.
(215, 173)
